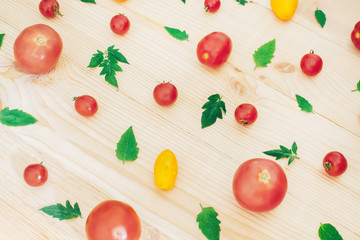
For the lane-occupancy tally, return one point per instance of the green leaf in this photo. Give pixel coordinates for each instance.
(62, 212)
(320, 17)
(328, 232)
(127, 149)
(16, 118)
(242, 2)
(109, 62)
(1, 38)
(88, 1)
(96, 60)
(284, 152)
(178, 34)
(264, 54)
(214, 109)
(303, 104)
(209, 224)
(294, 148)
(357, 86)
(184, 1)
(276, 153)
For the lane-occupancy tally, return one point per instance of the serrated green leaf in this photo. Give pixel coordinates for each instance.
(178, 34)
(1, 38)
(62, 212)
(285, 149)
(118, 56)
(275, 153)
(111, 79)
(291, 159)
(320, 17)
(357, 87)
(127, 149)
(294, 148)
(304, 104)
(264, 54)
(209, 224)
(109, 63)
(242, 2)
(96, 60)
(329, 232)
(214, 109)
(284, 152)
(16, 118)
(88, 1)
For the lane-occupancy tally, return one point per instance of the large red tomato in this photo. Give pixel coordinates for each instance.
(355, 35)
(37, 49)
(113, 220)
(214, 49)
(259, 184)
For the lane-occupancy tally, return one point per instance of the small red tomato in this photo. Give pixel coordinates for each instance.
(355, 35)
(335, 163)
(311, 63)
(246, 114)
(214, 49)
(212, 5)
(50, 8)
(165, 94)
(120, 24)
(86, 105)
(35, 174)
(259, 185)
(113, 220)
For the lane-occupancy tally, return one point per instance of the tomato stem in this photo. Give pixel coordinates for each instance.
(56, 10)
(75, 98)
(206, 9)
(264, 176)
(312, 51)
(328, 166)
(244, 122)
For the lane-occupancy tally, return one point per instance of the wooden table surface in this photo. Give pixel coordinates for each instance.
(79, 152)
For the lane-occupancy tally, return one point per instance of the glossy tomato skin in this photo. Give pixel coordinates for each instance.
(86, 105)
(49, 8)
(259, 185)
(113, 220)
(35, 175)
(355, 35)
(335, 163)
(37, 49)
(212, 5)
(165, 94)
(214, 49)
(246, 114)
(120, 24)
(311, 64)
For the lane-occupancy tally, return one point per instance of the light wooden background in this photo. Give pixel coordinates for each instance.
(79, 152)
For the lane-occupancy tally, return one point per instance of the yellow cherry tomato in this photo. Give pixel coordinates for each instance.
(121, 0)
(284, 9)
(165, 170)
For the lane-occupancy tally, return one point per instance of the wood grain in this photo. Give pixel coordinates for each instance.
(80, 152)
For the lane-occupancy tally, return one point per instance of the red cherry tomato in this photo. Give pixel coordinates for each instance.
(334, 163)
(214, 49)
(37, 49)
(355, 35)
(246, 114)
(212, 5)
(259, 184)
(35, 174)
(49, 8)
(113, 220)
(120, 24)
(165, 94)
(311, 64)
(86, 105)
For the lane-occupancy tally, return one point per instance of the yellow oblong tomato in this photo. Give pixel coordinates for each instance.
(284, 9)
(165, 170)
